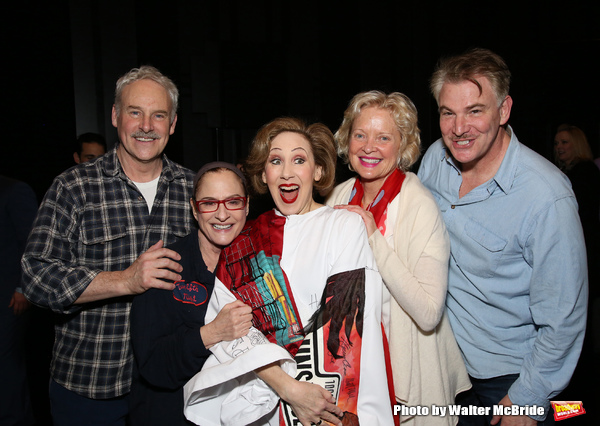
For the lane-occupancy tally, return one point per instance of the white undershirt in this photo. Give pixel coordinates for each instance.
(148, 190)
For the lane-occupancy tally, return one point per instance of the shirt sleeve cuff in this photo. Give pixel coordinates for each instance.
(521, 396)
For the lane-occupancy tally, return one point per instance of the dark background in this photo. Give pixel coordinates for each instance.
(239, 64)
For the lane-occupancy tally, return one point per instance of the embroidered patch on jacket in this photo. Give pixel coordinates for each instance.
(193, 292)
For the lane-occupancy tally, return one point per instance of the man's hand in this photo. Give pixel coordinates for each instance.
(19, 303)
(232, 322)
(148, 271)
(151, 269)
(512, 420)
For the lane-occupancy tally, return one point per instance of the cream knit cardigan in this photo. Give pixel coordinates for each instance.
(426, 362)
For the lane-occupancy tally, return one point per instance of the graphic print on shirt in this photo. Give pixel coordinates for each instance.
(330, 353)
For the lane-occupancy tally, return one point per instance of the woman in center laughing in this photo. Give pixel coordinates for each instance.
(308, 273)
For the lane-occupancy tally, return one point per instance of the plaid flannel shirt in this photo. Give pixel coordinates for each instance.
(93, 219)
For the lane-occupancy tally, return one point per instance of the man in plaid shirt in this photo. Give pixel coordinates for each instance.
(99, 239)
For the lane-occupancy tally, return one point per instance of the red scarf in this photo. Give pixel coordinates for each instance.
(250, 269)
(388, 191)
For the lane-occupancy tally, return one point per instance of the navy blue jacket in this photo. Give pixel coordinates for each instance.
(168, 349)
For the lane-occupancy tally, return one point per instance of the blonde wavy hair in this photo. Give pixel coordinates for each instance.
(402, 111)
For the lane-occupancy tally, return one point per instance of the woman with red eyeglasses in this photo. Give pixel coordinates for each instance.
(170, 338)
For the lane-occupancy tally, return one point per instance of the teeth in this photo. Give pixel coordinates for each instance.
(461, 143)
(289, 188)
(145, 139)
(371, 160)
(221, 227)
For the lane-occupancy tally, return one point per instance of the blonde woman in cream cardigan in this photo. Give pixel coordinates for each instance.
(379, 139)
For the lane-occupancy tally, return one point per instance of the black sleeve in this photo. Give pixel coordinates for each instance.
(23, 211)
(19, 208)
(167, 345)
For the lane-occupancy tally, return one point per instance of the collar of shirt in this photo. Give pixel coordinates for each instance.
(111, 166)
(503, 178)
